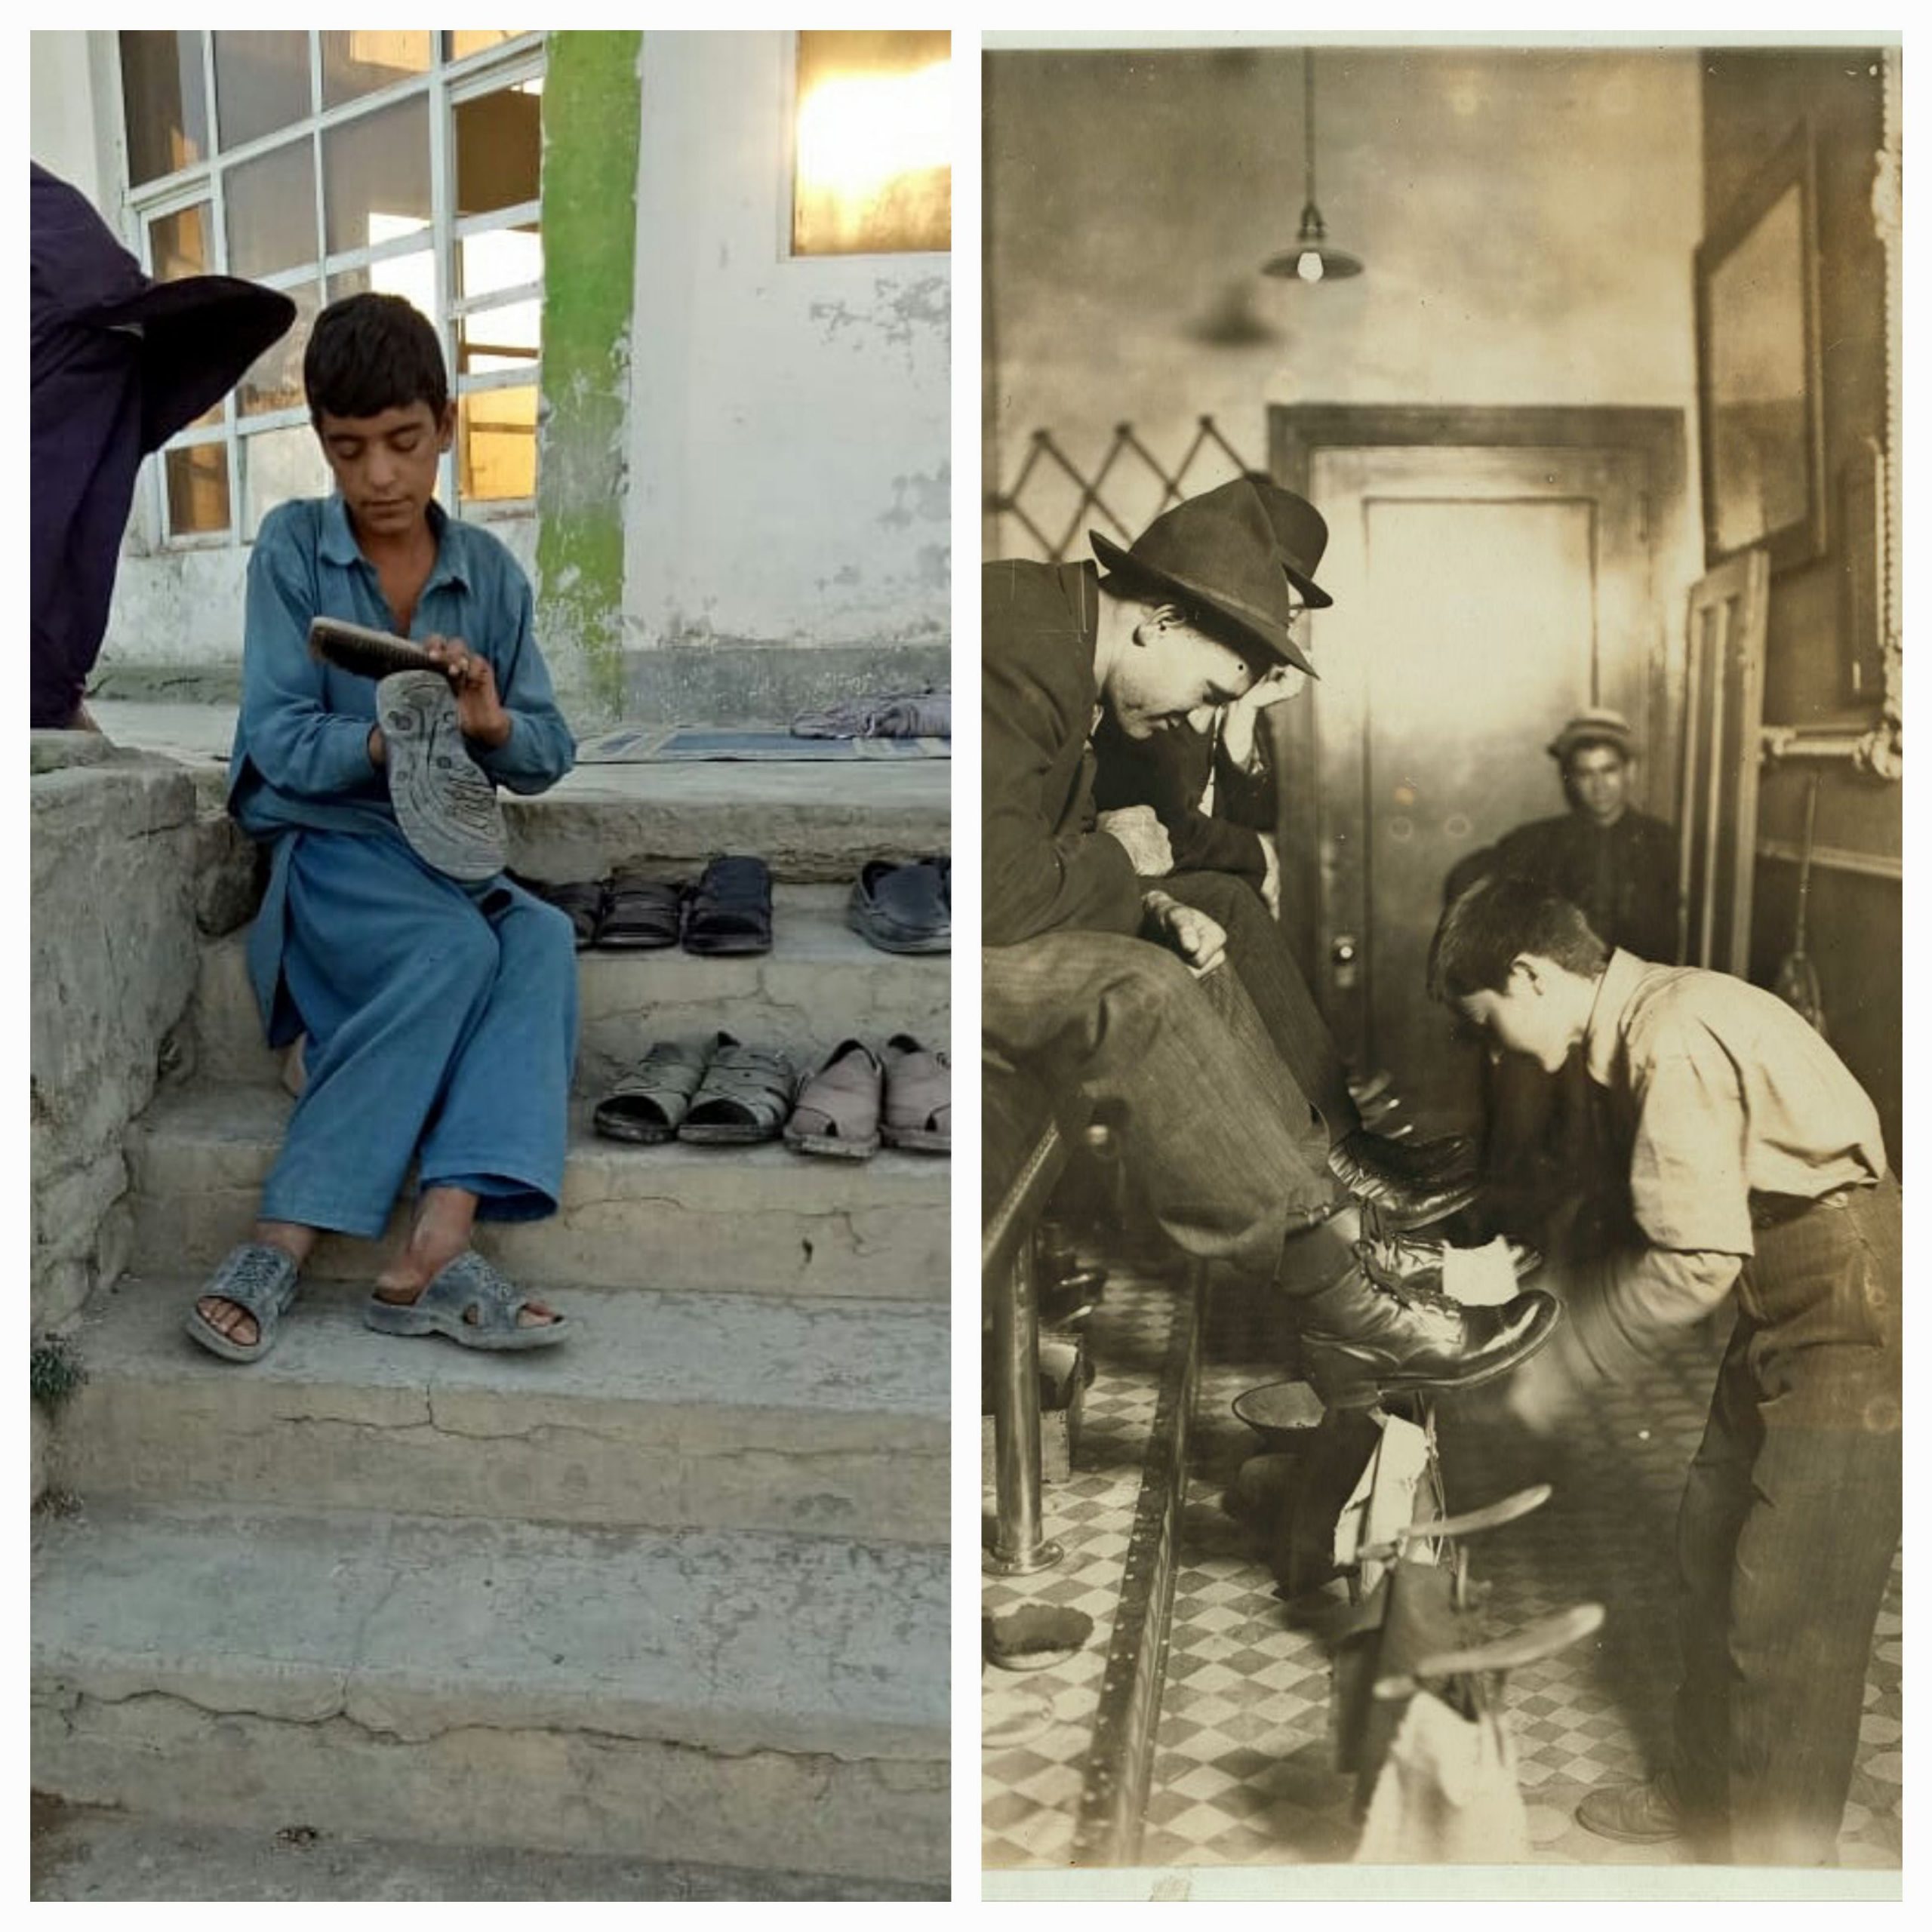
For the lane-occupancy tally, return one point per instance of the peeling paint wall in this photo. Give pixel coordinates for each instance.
(790, 418)
(590, 142)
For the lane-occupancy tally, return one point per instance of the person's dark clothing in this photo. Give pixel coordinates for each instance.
(118, 363)
(1042, 867)
(1170, 771)
(1623, 876)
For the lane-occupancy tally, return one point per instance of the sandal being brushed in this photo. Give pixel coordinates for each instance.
(472, 1304)
(256, 1277)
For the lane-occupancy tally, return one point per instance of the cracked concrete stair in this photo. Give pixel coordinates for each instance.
(667, 1409)
(734, 1698)
(821, 983)
(725, 1220)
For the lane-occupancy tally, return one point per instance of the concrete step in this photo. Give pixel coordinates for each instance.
(758, 1220)
(821, 983)
(819, 821)
(746, 1699)
(89, 1853)
(665, 1410)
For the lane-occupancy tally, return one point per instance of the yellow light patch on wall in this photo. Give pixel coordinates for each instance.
(873, 144)
(496, 444)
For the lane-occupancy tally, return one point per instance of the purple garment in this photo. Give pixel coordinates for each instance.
(119, 363)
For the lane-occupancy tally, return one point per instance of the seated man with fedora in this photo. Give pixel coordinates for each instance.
(1098, 975)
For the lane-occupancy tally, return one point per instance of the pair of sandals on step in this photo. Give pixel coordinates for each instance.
(730, 1094)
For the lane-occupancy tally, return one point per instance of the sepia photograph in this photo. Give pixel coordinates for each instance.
(1442, 964)
(491, 913)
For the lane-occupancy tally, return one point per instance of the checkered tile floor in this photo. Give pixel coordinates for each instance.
(1243, 1767)
(1030, 1791)
(1243, 1771)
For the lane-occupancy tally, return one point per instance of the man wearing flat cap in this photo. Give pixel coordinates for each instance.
(1098, 973)
(1546, 1136)
(1615, 862)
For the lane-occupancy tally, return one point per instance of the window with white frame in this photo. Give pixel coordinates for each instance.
(324, 164)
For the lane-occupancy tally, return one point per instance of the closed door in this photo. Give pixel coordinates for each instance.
(1481, 596)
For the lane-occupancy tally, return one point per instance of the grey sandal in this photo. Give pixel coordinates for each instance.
(648, 1104)
(472, 1304)
(919, 1096)
(445, 801)
(745, 1097)
(258, 1277)
(837, 1109)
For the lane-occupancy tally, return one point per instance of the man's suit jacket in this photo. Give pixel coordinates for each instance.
(1043, 866)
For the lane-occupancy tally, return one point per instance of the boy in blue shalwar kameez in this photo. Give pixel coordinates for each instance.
(441, 1017)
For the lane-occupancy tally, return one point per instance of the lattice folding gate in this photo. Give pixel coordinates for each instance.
(1127, 468)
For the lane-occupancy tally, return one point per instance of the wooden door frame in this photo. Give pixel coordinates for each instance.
(1297, 432)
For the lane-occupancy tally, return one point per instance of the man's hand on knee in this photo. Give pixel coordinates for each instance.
(1138, 831)
(1186, 930)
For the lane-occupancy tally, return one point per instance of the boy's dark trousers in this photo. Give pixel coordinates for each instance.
(1788, 1527)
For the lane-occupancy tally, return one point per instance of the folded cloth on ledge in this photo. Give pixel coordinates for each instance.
(923, 714)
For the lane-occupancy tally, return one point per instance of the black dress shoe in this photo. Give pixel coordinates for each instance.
(1410, 1163)
(1360, 1341)
(1368, 1168)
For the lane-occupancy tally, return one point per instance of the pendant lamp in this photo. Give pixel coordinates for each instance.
(1312, 259)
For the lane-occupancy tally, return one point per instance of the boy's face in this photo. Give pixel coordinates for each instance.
(1173, 675)
(1523, 1018)
(385, 465)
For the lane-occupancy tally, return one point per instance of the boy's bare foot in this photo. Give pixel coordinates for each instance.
(442, 1231)
(232, 1320)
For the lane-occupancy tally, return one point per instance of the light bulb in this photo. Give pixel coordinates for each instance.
(1310, 267)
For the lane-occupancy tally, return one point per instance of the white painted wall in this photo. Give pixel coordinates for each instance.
(1527, 218)
(790, 419)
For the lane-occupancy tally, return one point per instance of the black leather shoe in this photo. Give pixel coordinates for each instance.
(1647, 1814)
(1407, 1163)
(1368, 1168)
(1360, 1341)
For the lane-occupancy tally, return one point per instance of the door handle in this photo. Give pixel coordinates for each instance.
(1343, 955)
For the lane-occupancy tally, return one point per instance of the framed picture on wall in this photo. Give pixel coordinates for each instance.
(1759, 430)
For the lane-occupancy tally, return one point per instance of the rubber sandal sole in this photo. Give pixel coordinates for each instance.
(831, 1144)
(403, 1318)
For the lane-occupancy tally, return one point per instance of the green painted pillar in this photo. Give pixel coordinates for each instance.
(592, 98)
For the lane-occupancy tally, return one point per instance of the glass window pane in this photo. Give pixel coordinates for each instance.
(412, 276)
(354, 64)
(178, 245)
(271, 211)
(165, 96)
(496, 444)
(498, 149)
(274, 380)
(504, 258)
(278, 464)
(473, 40)
(261, 83)
(511, 337)
(376, 176)
(197, 489)
(874, 144)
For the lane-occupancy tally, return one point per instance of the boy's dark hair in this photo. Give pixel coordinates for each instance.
(1494, 921)
(368, 353)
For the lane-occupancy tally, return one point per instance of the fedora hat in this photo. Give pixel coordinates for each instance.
(1234, 551)
(1596, 726)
